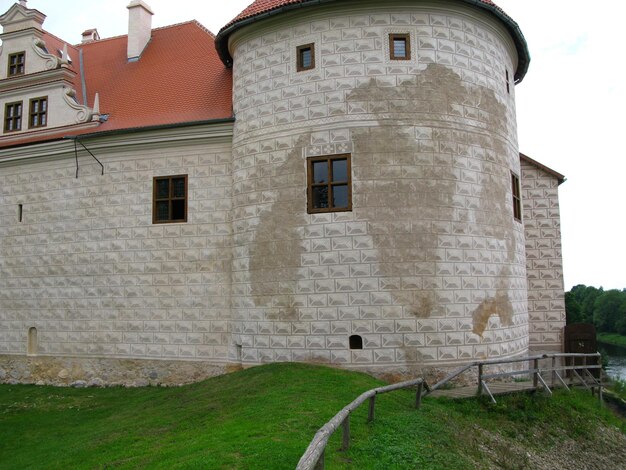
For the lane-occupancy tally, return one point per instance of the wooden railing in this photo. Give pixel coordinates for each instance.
(579, 374)
(313, 458)
(314, 455)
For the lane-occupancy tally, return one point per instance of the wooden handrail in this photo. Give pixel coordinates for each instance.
(313, 457)
(317, 446)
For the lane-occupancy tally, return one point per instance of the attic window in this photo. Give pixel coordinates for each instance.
(517, 198)
(305, 57)
(169, 199)
(17, 63)
(399, 46)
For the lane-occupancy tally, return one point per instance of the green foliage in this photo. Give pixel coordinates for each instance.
(605, 309)
(265, 417)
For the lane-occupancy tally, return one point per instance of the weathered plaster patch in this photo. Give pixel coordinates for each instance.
(499, 305)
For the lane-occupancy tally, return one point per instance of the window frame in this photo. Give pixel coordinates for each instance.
(299, 62)
(516, 193)
(311, 185)
(13, 118)
(155, 199)
(17, 64)
(407, 43)
(39, 99)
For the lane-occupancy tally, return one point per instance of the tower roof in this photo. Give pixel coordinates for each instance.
(261, 9)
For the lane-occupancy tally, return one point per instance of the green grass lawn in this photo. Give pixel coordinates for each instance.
(265, 417)
(612, 338)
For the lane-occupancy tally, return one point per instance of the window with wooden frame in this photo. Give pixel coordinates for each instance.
(13, 117)
(517, 197)
(329, 184)
(17, 63)
(169, 199)
(399, 46)
(38, 112)
(305, 57)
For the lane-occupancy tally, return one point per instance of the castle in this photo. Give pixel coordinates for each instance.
(336, 182)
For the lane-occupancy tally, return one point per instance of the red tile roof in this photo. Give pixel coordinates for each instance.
(178, 79)
(265, 7)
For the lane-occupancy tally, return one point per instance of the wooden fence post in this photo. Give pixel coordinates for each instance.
(479, 392)
(371, 414)
(536, 373)
(418, 395)
(345, 444)
(553, 370)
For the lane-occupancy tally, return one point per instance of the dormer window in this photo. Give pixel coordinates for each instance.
(305, 57)
(13, 117)
(38, 114)
(17, 63)
(399, 47)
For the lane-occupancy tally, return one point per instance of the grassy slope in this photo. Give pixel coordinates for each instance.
(612, 338)
(265, 417)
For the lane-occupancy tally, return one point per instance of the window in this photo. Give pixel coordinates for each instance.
(16, 64)
(356, 342)
(399, 46)
(508, 83)
(38, 114)
(329, 184)
(517, 198)
(305, 57)
(32, 347)
(13, 117)
(169, 199)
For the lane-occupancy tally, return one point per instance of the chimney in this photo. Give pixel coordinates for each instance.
(90, 35)
(139, 28)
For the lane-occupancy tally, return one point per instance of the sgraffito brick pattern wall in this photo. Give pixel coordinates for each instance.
(546, 304)
(87, 267)
(429, 266)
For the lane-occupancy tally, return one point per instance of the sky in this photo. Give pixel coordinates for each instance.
(568, 106)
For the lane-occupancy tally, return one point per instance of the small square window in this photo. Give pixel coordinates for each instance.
(399, 46)
(329, 184)
(305, 57)
(169, 201)
(517, 198)
(17, 64)
(13, 117)
(38, 113)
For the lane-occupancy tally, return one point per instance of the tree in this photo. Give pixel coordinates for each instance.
(573, 311)
(609, 307)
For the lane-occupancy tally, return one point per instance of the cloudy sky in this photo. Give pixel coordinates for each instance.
(569, 106)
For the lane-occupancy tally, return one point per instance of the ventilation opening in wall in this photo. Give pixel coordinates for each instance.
(20, 210)
(356, 342)
(239, 349)
(32, 342)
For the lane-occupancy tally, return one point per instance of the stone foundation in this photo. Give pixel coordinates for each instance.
(79, 372)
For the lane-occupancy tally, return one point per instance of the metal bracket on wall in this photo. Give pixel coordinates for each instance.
(76, 142)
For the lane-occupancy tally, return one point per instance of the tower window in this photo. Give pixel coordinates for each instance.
(508, 82)
(356, 342)
(329, 184)
(169, 199)
(399, 46)
(517, 198)
(17, 63)
(38, 114)
(13, 117)
(305, 57)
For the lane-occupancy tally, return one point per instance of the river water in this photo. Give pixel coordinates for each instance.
(617, 360)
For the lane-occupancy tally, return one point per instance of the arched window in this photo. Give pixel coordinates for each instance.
(32, 342)
(356, 342)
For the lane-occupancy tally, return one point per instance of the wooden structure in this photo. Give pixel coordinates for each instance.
(533, 373)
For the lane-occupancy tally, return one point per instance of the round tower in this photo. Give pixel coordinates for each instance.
(375, 164)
